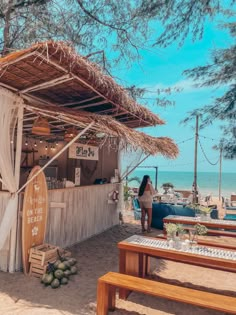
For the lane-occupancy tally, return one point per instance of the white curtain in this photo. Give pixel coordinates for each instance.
(11, 110)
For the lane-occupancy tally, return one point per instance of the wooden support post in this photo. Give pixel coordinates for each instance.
(102, 298)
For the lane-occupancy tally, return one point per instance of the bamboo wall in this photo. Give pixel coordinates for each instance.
(5, 252)
(86, 213)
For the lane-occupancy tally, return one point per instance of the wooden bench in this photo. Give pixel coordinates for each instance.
(107, 285)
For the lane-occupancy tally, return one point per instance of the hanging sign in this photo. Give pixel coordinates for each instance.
(83, 152)
(34, 214)
(77, 176)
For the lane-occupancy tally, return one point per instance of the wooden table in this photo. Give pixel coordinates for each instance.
(133, 258)
(211, 224)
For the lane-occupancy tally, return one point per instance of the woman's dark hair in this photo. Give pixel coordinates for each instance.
(143, 185)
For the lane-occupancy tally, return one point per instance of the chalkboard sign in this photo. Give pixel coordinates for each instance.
(34, 214)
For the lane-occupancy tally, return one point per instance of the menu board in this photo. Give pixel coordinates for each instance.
(34, 214)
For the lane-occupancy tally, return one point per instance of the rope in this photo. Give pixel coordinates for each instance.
(206, 155)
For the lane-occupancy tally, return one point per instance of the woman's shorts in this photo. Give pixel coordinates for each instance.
(145, 204)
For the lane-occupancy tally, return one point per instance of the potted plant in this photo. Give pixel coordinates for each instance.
(167, 186)
(198, 229)
(171, 230)
(202, 211)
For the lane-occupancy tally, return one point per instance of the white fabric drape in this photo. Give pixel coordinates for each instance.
(11, 106)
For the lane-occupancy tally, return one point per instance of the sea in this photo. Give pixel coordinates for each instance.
(208, 182)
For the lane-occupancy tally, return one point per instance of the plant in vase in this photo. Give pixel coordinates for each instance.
(201, 211)
(171, 230)
(198, 229)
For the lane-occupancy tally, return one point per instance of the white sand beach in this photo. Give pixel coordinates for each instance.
(20, 294)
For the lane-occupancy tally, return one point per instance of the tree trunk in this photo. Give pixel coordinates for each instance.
(6, 30)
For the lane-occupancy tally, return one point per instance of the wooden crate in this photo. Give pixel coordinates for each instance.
(37, 270)
(42, 254)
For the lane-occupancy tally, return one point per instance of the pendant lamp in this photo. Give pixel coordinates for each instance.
(41, 127)
(70, 134)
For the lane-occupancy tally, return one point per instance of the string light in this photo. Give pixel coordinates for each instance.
(40, 141)
(35, 144)
(26, 142)
(46, 147)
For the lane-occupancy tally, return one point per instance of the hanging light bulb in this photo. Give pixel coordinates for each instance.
(26, 142)
(57, 143)
(40, 141)
(70, 134)
(46, 147)
(35, 144)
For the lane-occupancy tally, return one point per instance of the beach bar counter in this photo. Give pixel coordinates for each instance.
(64, 121)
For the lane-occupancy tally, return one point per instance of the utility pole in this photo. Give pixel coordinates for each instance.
(156, 168)
(220, 172)
(195, 192)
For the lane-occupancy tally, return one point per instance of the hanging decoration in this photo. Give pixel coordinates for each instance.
(41, 127)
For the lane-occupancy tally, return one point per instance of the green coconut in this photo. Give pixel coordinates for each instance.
(59, 274)
(73, 270)
(72, 261)
(62, 266)
(55, 284)
(64, 280)
(67, 273)
(47, 278)
(57, 263)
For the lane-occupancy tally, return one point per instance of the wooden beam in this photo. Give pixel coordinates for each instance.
(48, 84)
(80, 102)
(16, 60)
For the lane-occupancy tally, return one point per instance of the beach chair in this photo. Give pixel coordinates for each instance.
(137, 209)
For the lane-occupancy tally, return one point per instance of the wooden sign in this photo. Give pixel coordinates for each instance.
(83, 152)
(34, 214)
(77, 176)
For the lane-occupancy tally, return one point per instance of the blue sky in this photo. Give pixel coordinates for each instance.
(162, 68)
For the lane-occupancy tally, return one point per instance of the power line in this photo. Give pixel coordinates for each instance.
(185, 140)
(206, 155)
(205, 137)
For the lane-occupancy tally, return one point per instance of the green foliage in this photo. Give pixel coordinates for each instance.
(200, 229)
(200, 209)
(171, 228)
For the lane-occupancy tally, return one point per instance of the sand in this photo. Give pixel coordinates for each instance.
(21, 294)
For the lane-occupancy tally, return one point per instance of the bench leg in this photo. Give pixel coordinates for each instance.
(106, 298)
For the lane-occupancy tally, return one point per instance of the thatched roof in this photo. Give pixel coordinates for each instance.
(70, 90)
(54, 73)
(111, 127)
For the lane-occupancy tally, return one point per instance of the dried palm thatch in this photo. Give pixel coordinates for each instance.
(15, 72)
(111, 127)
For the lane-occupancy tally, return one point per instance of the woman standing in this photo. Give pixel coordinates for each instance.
(145, 197)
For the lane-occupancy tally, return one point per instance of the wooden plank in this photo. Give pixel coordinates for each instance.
(34, 217)
(175, 293)
(57, 205)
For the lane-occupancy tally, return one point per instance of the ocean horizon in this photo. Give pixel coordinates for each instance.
(208, 182)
